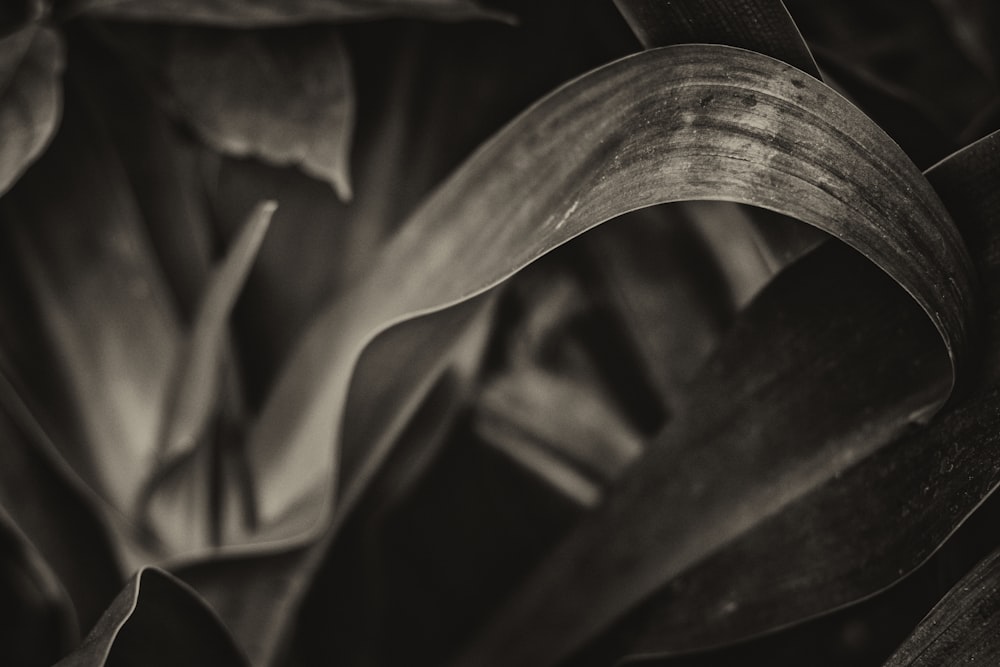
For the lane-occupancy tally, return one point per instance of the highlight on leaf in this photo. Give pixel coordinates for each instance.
(439, 412)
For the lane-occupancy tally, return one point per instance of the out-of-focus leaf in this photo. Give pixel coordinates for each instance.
(974, 25)
(600, 163)
(16, 14)
(248, 13)
(37, 624)
(156, 620)
(103, 303)
(906, 44)
(31, 64)
(193, 397)
(831, 555)
(170, 191)
(763, 26)
(428, 94)
(594, 139)
(195, 386)
(284, 96)
(962, 627)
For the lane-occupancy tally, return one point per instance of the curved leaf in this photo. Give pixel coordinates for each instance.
(37, 624)
(31, 65)
(105, 310)
(156, 620)
(962, 627)
(817, 158)
(764, 26)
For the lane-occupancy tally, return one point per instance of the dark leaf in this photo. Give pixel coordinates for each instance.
(763, 26)
(962, 628)
(974, 25)
(156, 620)
(736, 123)
(37, 624)
(283, 96)
(31, 64)
(906, 44)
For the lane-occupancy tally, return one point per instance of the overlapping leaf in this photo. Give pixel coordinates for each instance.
(962, 627)
(748, 122)
(234, 13)
(156, 620)
(31, 64)
(826, 546)
(283, 96)
(35, 612)
(300, 410)
(136, 379)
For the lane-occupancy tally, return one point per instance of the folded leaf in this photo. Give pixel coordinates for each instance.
(31, 64)
(962, 627)
(244, 13)
(156, 620)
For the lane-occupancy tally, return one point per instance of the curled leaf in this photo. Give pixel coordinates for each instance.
(156, 620)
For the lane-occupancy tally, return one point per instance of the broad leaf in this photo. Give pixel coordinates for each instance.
(37, 624)
(31, 64)
(243, 13)
(156, 620)
(283, 96)
(905, 44)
